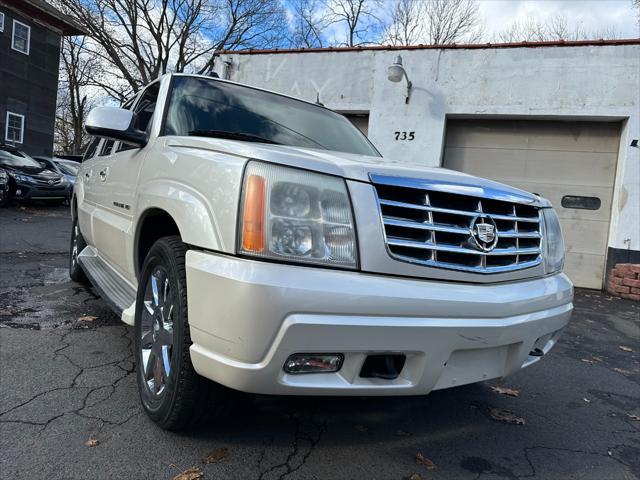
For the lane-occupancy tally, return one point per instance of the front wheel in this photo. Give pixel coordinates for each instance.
(77, 245)
(172, 393)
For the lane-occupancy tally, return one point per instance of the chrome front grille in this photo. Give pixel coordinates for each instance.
(439, 227)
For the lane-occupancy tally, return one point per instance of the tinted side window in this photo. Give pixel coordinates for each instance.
(144, 111)
(107, 148)
(91, 149)
(146, 106)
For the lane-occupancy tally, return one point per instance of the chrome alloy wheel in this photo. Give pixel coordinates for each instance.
(157, 332)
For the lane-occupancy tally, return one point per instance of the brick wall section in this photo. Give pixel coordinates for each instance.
(624, 281)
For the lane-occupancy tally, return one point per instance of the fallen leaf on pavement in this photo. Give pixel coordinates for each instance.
(215, 455)
(193, 473)
(506, 416)
(422, 460)
(625, 349)
(361, 428)
(87, 318)
(587, 400)
(415, 476)
(633, 418)
(92, 442)
(403, 433)
(506, 391)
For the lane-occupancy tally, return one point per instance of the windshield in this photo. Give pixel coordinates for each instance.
(15, 158)
(68, 168)
(205, 107)
(48, 164)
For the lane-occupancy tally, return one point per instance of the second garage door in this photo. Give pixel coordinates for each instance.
(570, 163)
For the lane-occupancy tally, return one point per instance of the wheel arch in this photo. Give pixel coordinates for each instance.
(153, 224)
(74, 207)
(171, 208)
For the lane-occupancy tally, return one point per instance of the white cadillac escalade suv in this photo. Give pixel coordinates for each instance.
(262, 242)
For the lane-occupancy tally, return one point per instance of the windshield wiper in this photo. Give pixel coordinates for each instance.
(232, 136)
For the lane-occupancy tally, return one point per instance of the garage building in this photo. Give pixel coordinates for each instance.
(561, 119)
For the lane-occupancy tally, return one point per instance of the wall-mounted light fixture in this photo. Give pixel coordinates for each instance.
(396, 72)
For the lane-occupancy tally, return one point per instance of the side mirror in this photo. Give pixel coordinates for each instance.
(115, 123)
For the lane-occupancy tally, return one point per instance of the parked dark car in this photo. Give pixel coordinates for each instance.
(67, 168)
(4, 187)
(28, 180)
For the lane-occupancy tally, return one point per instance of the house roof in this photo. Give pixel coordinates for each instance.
(471, 46)
(45, 14)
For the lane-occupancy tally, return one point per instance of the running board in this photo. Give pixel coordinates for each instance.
(111, 286)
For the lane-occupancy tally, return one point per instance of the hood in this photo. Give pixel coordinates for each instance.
(356, 167)
(37, 173)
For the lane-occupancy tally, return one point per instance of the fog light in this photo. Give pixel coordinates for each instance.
(18, 192)
(313, 363)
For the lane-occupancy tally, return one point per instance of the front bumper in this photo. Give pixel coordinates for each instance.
(36, 192)
(248, 316)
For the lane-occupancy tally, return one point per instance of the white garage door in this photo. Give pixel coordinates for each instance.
(570, 163)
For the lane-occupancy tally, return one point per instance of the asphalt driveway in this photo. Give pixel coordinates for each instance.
(69, 407)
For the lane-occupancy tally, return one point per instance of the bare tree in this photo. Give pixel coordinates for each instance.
(407, 23)
(359, 19)
(74, 103)
(556, 28)
(435, 22)
(309, 23)
(451, 21)
(246, 24)
(138, 40)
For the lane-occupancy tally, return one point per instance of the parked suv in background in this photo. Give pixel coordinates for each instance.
(28, 180)
(263, 243)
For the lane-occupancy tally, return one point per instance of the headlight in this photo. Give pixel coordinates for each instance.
(296, 215)
(22, 178)
(553, 242)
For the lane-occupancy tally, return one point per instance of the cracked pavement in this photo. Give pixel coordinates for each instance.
(64, 381)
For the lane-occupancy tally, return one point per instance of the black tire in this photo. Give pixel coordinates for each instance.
(183, 398)
(77, 244)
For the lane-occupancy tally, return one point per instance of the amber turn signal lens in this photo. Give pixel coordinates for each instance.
(253, 215)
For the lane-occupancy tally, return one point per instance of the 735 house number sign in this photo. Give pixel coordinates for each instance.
(404, 136)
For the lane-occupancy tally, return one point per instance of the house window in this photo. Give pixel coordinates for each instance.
(1, 22)
(21, 37)
(14, 130)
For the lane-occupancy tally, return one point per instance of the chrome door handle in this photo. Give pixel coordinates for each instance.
(103, 174)
(87, 175)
